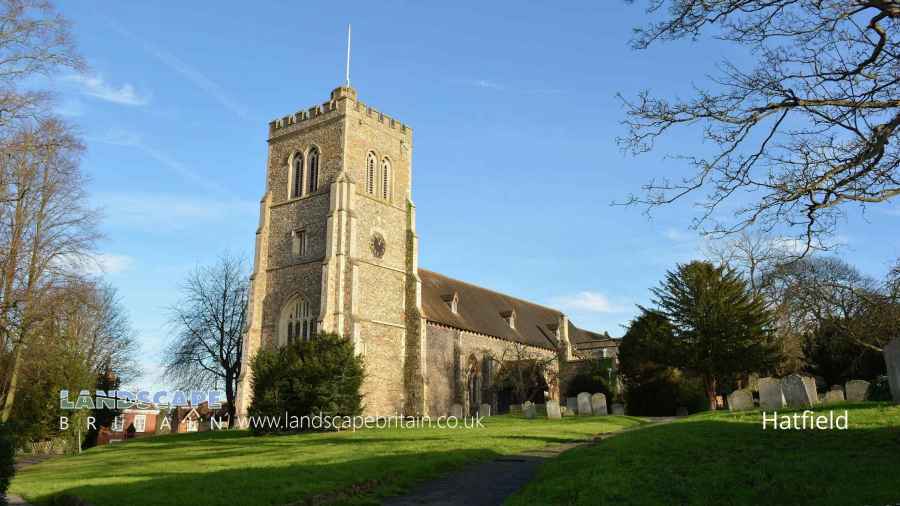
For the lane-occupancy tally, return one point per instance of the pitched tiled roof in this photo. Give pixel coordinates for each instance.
(482, 311)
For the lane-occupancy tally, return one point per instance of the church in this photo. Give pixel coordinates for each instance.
(337, 251)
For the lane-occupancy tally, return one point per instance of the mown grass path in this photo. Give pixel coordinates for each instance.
(228, 468)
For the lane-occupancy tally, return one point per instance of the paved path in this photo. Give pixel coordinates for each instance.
(490, 483)
(22, 462)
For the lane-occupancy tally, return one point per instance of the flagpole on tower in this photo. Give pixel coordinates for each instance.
(348, 56)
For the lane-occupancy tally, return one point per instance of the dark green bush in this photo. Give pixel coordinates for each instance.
(880, 389)
(7, 458)
(319, 376)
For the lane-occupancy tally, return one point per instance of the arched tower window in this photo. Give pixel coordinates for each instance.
(371, 163)
(386, 179)
(296, 180)
(313, 172)
(297, 322)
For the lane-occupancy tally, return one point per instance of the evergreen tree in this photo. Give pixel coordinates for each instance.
(719, 327)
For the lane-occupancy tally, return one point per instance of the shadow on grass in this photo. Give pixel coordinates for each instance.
(728, 459)
(357, 481)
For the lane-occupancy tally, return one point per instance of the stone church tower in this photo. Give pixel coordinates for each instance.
(336, 248)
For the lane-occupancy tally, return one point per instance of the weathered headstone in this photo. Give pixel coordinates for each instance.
(799, 391)
(456, 410)
(740, 400)
(618, 409)
(572, 405)
(553, 411)
(564, 411)
(584, 403)
(681, 411)
(837, 387)
(484, 410)
(892, 359)
(771, 396)
(833, 396)
(753, 382)
(857, 390)
(529, 410)
(598, 404)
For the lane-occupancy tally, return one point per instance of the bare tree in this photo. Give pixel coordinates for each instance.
(209, 324)
(752, 254)
(44, 220)
(812, 127)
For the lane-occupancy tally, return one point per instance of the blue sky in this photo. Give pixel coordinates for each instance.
(515, 163)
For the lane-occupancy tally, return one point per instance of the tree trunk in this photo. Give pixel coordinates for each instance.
(11, 391)
(711, 392)
(229, 397)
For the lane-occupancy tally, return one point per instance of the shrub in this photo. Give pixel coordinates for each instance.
(880, 390)
(7, 458)
(322, 375)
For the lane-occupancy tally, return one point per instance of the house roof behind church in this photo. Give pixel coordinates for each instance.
(482, 311)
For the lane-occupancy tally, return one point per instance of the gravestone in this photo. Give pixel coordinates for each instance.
(598, 404)
(837, 387)
(799, 391)
(892, 359)
(584, 403)
(618, 409)
(681, 411)
(833, 396)
(740, 400)
(572, 404)
(456, 410)
(564, 411)
(771, 396)
(753, 382)
(528, 410)
(857, 390)
(484, 410)
(553, 411)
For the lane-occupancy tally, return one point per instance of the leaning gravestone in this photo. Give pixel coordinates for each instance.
(529, 410)
(618, 409)
(456, 410)
(771, 396)
(799, 391)
(553, 411)
(740, 400)
(572, 405)
(584, 403)
(833, 396)
(598, 404)
(857, 390)
(892, 359)
(484, 410)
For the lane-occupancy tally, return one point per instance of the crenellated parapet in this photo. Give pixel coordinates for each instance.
(331, 108)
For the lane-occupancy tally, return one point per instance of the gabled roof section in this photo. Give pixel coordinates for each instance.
(480, 310)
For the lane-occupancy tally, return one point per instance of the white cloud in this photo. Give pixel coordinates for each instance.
(156, 211)
(126, 138)
(99, 264)
(96, 86)
(192, 75)
(484, 83)
(593, 302)
(673, 234)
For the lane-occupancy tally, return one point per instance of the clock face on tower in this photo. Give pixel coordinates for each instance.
(378, 245)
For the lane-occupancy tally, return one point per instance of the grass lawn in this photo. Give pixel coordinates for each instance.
(727, 459)
(234, 467)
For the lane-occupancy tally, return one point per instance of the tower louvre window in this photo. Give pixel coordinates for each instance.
(370, 173)
(297, 176)
(300, 242)
(313, 172)
(386, 179)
